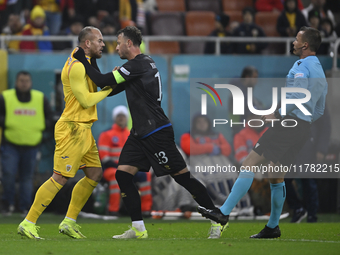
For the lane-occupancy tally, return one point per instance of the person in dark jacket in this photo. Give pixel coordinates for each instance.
(291, 19)
(248, 29)
(221, 23)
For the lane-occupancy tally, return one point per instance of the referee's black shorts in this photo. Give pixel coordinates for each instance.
(157, 150)
(282, 144)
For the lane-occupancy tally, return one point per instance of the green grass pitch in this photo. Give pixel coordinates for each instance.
(172, 237)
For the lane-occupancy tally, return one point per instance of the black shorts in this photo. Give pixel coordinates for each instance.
(282, 144)
(157, 150)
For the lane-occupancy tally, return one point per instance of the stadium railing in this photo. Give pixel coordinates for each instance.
(218, 40)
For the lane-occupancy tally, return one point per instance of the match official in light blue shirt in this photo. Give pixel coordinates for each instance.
(279, 145)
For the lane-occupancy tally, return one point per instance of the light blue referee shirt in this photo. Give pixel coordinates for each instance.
(307, 73)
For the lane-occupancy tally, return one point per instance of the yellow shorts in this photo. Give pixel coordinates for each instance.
(75, 148)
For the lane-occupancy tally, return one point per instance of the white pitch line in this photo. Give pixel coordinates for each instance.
(306, 240)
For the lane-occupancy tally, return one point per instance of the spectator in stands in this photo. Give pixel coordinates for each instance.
(86, 9)
(110, 144)
(327, 26)
(327, 32)
(36, 27)
(202, 140)
(248, 29)
(54, 11)
(320, 6)
(24, 114)
(21, 8)
(109, 27)
(14, 27)
(313, 152)
(107, 8)
(314, 19)
(273, 5)
(291, 19)
(76, 25)
(221, 23)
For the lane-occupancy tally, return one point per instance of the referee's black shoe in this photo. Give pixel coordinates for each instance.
(268, 233)
(214, 214)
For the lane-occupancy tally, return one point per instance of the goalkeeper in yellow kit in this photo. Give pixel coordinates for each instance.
(75, 146)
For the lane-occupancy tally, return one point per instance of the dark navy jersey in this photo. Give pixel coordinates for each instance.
(143, 88)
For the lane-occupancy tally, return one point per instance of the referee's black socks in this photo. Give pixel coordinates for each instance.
(196, 189)
(130, 195)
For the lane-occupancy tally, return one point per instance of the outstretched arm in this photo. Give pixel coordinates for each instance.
(101, 80)
(80, 88)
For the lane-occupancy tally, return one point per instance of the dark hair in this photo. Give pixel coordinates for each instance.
(248, 9)
(327, 20)
(248, 71)
(76, 19)
(285, 4)
(223, 19)
(312, 36)
(132, 33)
(23, 73)
(85, 32)
(314, 13)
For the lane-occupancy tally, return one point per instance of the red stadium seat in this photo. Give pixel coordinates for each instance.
(267, 20)
(164, 48)
(198, 23)
(204, 5)
(171, 5)
(236, 5)
(166, 23)
(235, 16)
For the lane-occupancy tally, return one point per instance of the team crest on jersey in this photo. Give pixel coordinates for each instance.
(68, 168)
(298, 75)
(115, 139)
(124, 71)
(153, 65)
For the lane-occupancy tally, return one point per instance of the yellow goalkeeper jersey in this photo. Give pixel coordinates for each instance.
(80, 93)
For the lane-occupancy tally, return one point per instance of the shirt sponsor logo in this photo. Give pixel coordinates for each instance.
(298, 75)
(124, 71)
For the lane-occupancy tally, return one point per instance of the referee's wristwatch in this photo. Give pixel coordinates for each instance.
(278, 115)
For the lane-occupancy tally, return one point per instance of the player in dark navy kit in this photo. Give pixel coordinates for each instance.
(280, 145)
(151, 141)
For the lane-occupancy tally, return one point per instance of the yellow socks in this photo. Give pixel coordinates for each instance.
(47, 191)
(80, 194)
(43, 198)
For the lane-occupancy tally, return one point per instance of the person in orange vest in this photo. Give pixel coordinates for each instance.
(245, 140)
(201, 139)
(110, 144)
